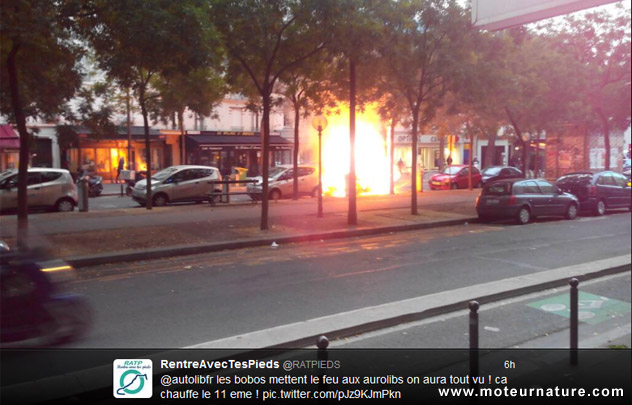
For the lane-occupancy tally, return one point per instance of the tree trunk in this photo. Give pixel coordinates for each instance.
(183, 153)
(143, 108)
(352, 217)
(20, 118)
(606, 136)
(469, 180)
(392, 155)
(265, 159)
(525, 145)
(296, 140)
(413, 169)
(441, 151)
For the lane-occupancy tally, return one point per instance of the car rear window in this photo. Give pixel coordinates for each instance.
(497, 189)
(50, 176)
(584, 178)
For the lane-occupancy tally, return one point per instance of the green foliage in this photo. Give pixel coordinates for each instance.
(264, 40)
(39, 31)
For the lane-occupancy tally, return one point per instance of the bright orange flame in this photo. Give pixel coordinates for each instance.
(371, 157)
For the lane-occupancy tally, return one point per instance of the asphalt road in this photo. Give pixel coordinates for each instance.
(185, 301)
(538, 320)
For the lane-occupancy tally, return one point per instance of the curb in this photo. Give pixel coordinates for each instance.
(337, 326)
(158, 253)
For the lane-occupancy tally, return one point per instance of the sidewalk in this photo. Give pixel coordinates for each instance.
(98, 237)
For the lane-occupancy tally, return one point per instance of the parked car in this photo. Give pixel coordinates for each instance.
(47, 188)
(626, 173)
(499, 173)
(281, 182)
(597, 192)
(454, 177)
(523, 200)
(178, 184)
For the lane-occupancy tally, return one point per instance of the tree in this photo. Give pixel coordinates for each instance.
(136, 41)
(264, 40)
(199, 90)
(357, 27)
(540, 89)
(304, 88)
(33, 31)
(600, 43)
(423, 45)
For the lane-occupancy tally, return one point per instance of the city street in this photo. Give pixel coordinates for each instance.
(190, 300)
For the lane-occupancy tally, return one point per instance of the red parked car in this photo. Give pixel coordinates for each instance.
(454, 177)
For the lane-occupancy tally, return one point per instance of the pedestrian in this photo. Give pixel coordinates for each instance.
(449, 160)
(400, 165)
(475, 162)
(121, 165)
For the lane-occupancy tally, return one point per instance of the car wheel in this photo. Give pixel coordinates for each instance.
(160, 200)
(600, 209)
(65, 205)
(275, 195)
(524, 216)
(454, 186)
(571, 211)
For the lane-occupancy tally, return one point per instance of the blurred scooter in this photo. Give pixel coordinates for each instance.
(35, 309)
(95, 183)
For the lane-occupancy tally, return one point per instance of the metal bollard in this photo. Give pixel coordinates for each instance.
(83, 194)
(322, 343)
(574, 304)
(473, 305)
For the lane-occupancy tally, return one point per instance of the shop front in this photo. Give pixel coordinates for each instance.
(428, 155)
(9, 148)
(103, 156)
(228, 150)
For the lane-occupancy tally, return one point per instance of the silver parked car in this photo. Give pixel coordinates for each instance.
(47, 188)
(281, 182)
(178, 184)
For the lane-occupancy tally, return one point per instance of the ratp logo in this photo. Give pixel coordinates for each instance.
(132, 378)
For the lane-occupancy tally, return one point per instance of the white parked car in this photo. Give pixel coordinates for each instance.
(281, 182)
(47, 188)
(178, 184)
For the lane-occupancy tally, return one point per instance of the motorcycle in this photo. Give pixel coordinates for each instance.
(95, 183)
(36, 310)
(138, 176)
(95, 186)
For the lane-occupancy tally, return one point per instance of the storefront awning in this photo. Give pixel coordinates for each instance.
(137, 132)
(238, 142)
(9, 140)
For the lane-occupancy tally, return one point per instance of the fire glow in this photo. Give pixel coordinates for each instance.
(371, 157)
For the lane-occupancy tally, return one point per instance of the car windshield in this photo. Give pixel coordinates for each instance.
(163, 174)
(451, 170)
(491, 171)
(7, 173)
(276, 171)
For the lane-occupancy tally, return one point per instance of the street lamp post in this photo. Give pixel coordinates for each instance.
(320, 123)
